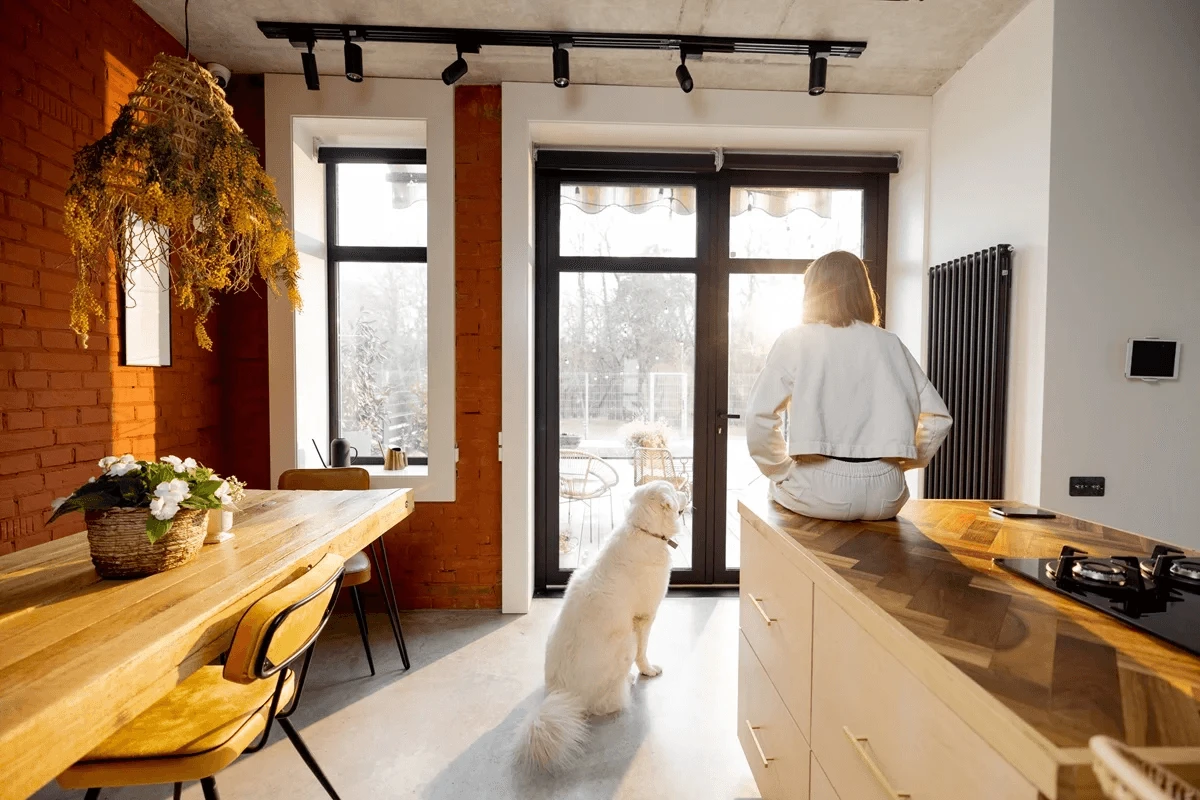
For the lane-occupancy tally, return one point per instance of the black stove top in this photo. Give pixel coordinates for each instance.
(1159, 595)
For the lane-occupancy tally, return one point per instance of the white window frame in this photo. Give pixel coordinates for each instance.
(393, 113)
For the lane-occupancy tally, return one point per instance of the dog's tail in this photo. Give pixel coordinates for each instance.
(553, 733)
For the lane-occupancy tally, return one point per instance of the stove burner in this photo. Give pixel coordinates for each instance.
(1186, 568)
(1099, 571)
(1169, 565)
(1075, 566)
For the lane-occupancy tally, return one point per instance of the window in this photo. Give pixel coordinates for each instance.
(377, 224)
(627, 221)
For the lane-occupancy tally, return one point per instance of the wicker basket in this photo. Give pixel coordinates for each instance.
(120, 548)
(1124, 775)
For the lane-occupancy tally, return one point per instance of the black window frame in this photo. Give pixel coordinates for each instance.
(337, 253)
(712, 265)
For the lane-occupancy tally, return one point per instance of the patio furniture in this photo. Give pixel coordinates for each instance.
(657, 464)
(585, 477)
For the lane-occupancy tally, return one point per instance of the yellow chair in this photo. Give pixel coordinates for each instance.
(358, 566)
(218, 713)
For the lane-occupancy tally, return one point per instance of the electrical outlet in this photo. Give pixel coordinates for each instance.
(1087, 487)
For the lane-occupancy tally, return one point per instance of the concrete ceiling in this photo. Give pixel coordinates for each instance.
(914, 46)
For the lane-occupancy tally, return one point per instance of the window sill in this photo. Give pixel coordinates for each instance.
(384, 478)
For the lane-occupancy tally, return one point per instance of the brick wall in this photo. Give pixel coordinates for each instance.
(65, 68)
(447, 555)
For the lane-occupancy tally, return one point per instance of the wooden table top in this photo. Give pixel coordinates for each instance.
(1066, 670)
(80, 656)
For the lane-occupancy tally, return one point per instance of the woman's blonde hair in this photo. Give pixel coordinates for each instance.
(837, 291)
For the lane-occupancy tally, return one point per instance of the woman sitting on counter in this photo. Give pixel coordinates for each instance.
(860, 409)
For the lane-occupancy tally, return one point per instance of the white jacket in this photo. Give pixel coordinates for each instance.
(854, 392)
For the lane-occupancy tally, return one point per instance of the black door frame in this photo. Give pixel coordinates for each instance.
(712, 267)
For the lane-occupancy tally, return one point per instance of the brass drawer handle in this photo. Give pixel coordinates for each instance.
(860, 745)
(752, 728)
(762, 611)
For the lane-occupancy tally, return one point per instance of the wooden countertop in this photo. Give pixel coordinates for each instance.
(1052, 672)
(80, 656)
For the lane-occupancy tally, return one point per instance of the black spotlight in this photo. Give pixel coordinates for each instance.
(682, 75)
(311, 79)
(817, 64)
(562, 67)
(453, 73)
(354, 61)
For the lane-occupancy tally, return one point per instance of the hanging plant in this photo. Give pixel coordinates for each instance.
(176, 178)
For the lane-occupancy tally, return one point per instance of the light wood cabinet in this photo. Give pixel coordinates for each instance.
(778, 755)
(826, 712)
(880, 734)
(821, 789)
(776, 617)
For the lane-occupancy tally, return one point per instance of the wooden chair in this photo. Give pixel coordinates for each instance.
(1124, 775)
(358, 566)
(217, 713)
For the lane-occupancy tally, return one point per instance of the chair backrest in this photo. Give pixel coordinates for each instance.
(333, 478)
(651, 464)
(281, 625)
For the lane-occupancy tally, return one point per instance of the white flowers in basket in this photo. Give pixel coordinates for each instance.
(164, 487)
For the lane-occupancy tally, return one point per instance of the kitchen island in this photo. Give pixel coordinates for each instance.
(892, 659)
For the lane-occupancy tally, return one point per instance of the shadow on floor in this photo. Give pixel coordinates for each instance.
(486, 768)
(339, 675)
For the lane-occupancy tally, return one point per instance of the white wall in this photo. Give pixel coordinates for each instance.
(650, 117)
(376, 113)
(1123, 252)
(990, 183)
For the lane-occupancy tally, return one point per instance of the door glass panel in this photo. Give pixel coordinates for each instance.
(761, 307)
(627, 355)
(382, 205)
(778, 222)
(627, 221)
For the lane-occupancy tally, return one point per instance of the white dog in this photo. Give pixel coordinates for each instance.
(602, 630)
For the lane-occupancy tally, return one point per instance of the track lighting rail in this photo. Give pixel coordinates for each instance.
(300, 33)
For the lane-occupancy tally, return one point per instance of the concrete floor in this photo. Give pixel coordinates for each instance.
(443, 730)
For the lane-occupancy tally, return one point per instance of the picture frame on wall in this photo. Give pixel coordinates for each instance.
(144, 297)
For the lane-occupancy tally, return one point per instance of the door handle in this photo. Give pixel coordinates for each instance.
(723, 415)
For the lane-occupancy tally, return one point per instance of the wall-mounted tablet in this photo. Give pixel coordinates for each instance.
(1152, 359)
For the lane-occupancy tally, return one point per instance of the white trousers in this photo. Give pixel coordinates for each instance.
(826, 488)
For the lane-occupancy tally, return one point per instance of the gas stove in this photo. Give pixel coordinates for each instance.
(1159, 595)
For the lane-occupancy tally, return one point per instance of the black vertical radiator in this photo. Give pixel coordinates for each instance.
(969, 300)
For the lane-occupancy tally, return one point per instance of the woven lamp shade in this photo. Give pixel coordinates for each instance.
(176, 162)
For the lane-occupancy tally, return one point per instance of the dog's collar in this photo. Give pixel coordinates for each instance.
(674, 544)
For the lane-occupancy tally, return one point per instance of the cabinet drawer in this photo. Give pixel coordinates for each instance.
(820, 787)
(777, 753)
(875, 726)
(776, 616)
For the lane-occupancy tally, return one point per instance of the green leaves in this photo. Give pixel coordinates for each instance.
(203, 495)
(157, 528)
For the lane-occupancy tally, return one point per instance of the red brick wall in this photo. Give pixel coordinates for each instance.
(65, 68)
(447, 555)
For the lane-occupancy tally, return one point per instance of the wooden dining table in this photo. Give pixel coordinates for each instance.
(80, 656)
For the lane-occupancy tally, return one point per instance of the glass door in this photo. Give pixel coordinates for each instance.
(617, 369)
(659, 295)
(775, 226)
